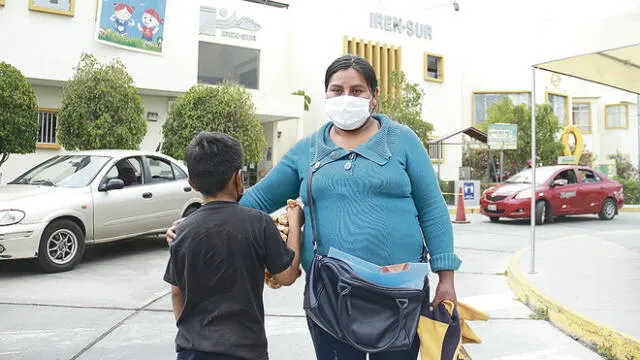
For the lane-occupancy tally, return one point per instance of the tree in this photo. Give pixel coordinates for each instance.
(406, 106)
(19, 114)
(307, 98)
(548, 148)
(225, 108)
(624, 167)
(476, 157)
(101, 108)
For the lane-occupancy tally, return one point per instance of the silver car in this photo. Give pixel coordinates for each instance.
(53, 210)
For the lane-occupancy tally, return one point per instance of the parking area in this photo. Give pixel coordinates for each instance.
(114, 305)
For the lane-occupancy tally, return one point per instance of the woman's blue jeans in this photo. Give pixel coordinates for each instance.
(201, 355)
(329, 348)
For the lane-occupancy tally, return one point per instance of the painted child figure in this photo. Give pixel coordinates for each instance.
(122, 18)
(150, 25)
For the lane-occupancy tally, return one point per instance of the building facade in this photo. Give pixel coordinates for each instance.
(464, 55)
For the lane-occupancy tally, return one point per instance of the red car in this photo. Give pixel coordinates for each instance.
(561, 190)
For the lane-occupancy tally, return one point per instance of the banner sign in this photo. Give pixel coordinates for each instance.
(132, 25)
(502, 136)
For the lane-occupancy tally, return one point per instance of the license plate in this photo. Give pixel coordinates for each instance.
(492, 207)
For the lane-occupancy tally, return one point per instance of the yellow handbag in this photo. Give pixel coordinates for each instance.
(443, 331)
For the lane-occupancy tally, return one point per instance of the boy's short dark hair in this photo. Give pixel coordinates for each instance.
(212, 158)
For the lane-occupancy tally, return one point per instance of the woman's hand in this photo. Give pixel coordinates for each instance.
(171, 233)
(445, 290)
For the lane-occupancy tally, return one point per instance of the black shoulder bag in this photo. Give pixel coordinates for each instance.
(367, 316)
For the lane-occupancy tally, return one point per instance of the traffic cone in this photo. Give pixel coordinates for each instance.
(461, 217)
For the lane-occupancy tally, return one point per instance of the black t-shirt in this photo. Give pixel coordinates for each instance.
(218, 260)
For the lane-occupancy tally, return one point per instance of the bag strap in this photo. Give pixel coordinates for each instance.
(425, 249)
(312, 168)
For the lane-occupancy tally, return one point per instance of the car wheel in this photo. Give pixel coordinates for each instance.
(494, 219)
(608, 210)
(541, 212)
(190, 210)
(61, 246)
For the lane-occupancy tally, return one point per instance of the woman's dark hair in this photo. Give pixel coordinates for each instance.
(358, 64)
(212, 159)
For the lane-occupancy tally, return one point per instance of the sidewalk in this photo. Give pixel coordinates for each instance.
(588, 286)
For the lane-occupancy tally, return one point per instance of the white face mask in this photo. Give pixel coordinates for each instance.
(347, 112)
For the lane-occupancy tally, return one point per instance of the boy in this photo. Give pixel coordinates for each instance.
(218, 259)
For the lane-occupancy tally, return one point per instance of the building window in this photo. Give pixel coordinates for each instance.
(483, 100)
(48, 129)
(433, 67)
(217, 63)
(384, 58)
(582, 116)
(616, 116)
(559, 107)
(436, 152)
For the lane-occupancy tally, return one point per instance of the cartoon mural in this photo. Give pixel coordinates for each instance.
(132, 24)
(151, 21)
(122, 17)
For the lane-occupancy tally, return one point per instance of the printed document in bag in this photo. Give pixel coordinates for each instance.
(406, 275)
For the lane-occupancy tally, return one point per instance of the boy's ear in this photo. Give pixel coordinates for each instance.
(191, 184)
(240, 181)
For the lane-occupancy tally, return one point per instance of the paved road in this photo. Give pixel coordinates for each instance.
(115, 304)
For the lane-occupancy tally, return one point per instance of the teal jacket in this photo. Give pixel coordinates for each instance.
(374, 202)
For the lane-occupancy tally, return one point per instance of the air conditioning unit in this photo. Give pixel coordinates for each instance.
(464, 173)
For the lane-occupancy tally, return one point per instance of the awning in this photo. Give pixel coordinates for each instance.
(618, 68)
(602, 47)
(470, 131)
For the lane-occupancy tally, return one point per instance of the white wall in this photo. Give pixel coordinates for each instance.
(504, 40)
(488, 45)
(47, 46)
(157, 104)
(317, 40)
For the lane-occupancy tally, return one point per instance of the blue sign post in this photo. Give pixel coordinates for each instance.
(468, 190)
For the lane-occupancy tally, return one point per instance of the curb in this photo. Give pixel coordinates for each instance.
(468, 211)
(477, 210)
(599, 337)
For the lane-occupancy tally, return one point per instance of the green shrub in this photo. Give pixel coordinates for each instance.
(226, 108)
(101, 108)
(631, 190)
(19, 114)
(447, 187)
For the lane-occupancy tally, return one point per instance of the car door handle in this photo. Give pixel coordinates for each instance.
(147, 195)
(187, 189)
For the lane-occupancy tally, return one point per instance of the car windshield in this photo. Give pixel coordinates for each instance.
(64, 170)
(525, 176)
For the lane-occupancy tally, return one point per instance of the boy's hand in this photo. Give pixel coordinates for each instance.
(295, 215)
(295, 220)
(171, 233)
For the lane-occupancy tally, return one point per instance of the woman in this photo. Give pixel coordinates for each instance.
(374, 197)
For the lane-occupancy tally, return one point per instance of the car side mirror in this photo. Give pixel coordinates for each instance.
(113, 184)
(559, 182)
